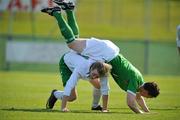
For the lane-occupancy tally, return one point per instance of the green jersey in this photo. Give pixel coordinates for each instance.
(125, 74)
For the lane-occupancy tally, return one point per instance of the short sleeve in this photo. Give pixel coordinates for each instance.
(132, 87)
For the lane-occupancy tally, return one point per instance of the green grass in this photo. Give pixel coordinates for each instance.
(23, 96)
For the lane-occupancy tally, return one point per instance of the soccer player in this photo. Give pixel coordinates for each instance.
(124, 73)
(74, 67)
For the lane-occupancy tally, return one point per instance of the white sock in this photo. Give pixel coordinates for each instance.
(96, 97)
(58, 94)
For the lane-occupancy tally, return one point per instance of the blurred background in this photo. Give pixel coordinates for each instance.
(145, 31)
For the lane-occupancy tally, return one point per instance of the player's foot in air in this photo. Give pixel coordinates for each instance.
(51, 10)
(51, 100)
(97, 108)
(65, 5)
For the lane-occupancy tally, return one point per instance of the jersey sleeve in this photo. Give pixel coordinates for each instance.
(72, 82)
(104, 86)
(132, 87)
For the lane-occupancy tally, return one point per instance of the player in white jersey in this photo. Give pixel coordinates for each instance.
(80, 68)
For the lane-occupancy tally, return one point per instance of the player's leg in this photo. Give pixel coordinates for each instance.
(72, 22)
(96, 94)
(65, 73)
(51, 100)
(77, 45)
(57, 94)
(69, 6)
(96, 99)
(65, 29)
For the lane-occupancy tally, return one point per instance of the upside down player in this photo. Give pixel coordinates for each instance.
(124, 73)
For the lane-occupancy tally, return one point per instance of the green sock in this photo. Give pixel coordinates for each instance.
(65, 29)
(72, 22)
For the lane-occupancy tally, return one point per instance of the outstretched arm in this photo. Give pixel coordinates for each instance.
(141, 102)
(64, 103)
(71, 83)
(131, 102)
(105, 92)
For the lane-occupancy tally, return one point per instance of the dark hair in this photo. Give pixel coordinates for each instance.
(102, 68)
(152, 88)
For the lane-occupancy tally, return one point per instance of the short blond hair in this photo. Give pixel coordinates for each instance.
(102, 68)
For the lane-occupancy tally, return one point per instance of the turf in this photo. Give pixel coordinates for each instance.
(23, 96)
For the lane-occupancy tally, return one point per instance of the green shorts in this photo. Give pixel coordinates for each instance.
(65, 72)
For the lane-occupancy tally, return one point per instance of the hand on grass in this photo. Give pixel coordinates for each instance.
(65, 110)
(105, 111)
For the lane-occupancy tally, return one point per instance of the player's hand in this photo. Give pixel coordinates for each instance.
(65, 110)
(105, 111)
(147, 113)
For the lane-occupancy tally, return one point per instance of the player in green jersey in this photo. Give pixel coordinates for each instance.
(124, 73)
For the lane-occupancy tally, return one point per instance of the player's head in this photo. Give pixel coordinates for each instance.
(149, 90)
(99, 69)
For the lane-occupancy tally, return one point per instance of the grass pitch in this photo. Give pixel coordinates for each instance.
(23, 96)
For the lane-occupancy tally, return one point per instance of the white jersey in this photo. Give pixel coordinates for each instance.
(80, 70)
(102, 50)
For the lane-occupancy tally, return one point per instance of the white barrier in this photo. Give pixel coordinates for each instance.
(35, 52)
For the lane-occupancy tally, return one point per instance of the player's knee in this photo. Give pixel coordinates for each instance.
(72, 45)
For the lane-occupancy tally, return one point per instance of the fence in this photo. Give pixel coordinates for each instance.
(40, 55)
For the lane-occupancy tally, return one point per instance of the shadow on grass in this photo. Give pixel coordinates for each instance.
(58, 111)
(157, 109)
(29, 110)
(166, 109)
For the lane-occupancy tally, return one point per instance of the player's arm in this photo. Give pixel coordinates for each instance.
(131, 102)
(141, 102)
(71, 83)
(64, 103)
(105, 93)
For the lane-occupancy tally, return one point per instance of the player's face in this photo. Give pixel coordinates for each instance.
(144, 93)
(94, 74)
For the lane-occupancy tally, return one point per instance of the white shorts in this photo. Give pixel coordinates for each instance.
(101, 50)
